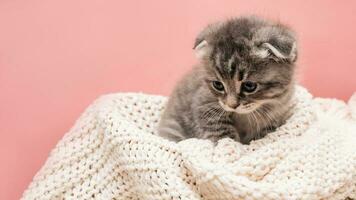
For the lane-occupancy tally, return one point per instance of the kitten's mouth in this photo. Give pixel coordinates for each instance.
(245, 109)
(241, 109)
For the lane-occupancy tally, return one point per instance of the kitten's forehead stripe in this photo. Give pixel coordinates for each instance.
(219, 66)
(231, 66)
(217, 60)
(225, 63)
(241, 74)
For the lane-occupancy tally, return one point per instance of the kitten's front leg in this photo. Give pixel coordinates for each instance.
(213, 123)
(170, 129)
(220, 131)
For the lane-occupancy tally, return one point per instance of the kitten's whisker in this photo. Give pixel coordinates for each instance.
(213, 103)
(222, 112)
(212, 114)
(208, 113)
(268, 117)
(277, 112)
(261, 117)
(270, 121)
(256, 122)
(249, 121)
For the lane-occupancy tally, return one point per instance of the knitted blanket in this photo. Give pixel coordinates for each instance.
(113, 152)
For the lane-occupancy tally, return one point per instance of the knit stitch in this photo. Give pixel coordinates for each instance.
(113, 152)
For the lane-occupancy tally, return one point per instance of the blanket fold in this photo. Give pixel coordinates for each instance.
(113, 152)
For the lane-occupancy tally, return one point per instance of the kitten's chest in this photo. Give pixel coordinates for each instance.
(250, 128)
(245, 126)
(242, 125)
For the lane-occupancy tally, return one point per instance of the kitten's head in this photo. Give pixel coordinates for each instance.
(249, 62)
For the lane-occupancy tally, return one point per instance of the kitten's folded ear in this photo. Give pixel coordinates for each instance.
(275, 42)
(202, 47)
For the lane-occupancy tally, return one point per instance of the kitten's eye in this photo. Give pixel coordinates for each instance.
(249, 86)
(218, 86)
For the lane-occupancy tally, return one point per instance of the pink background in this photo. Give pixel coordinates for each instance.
(56, 57)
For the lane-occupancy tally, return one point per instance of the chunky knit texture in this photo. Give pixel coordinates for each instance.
(112, 152)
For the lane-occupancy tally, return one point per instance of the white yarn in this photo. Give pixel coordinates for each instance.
(112, 152)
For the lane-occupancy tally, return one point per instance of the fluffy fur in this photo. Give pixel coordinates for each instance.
(241, 87)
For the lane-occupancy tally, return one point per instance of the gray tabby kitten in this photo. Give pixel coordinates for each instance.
(242, 87)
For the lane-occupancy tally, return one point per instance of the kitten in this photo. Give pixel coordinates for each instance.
(242, 87)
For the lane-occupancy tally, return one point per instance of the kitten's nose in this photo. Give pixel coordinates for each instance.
(233, 104)
(232, 101)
